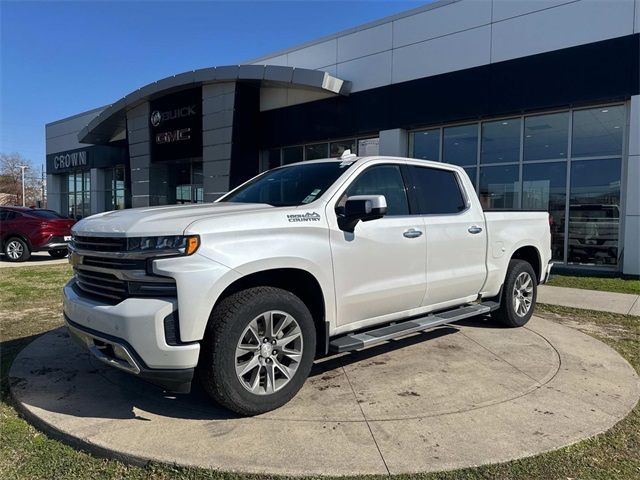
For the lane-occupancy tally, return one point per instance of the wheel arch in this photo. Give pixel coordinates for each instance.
(9, 236)
(298, 281)
(530, 254)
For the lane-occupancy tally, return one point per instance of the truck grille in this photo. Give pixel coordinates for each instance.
(100, 244)
(105, 271)
(115, 263)
(104, 285)
(108, 287)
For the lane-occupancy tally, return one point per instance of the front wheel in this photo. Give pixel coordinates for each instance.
(518, 294)
(258, 350)
(61, 253)
(16, 250)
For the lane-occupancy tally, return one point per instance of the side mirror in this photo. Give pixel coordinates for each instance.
(362, 208)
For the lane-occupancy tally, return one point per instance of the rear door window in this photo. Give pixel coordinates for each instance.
(437, 191)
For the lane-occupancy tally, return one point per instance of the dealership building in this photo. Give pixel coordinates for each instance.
(537, 100)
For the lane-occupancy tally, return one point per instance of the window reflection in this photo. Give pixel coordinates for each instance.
(594, 212)
(460, 145)
(270, 159)
(292, 155)
(317, 151)
(544, 187)
(426, 145)
(500, 141)
(546, 136)
(498, 186)
(471, 171)
(597, 132)
(336, 149)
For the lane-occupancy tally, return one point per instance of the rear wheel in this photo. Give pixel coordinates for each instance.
(258, 350)
(518, 294)
(60, 253)
(16, 250)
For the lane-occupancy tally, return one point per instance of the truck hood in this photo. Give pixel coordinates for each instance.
(163, 220)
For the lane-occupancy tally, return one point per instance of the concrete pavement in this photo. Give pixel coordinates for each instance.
(623, 303)
(459, 396)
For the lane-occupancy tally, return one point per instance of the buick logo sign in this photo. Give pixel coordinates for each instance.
(156, 118)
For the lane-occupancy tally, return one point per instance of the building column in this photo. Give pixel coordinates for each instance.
(97, 191)
(631, 255)
(394, 143)
(54, 193)
(218, 101)
(139, 155)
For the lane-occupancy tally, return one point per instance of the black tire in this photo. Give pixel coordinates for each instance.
(61, 253)
(507, 313)
(16, 250)
(228, 321)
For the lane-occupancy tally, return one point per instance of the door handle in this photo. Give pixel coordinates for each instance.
(412, 233)
(475, 229)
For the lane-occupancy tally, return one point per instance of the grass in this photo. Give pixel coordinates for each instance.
(30, 305)
(618, 285)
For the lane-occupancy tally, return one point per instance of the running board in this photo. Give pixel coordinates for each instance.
(356, 341)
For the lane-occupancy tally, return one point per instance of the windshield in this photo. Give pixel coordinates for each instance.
(290, 186)
(48, 214)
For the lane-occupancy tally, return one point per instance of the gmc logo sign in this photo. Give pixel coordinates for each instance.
(179, 135)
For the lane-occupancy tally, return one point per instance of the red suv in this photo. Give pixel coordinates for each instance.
(25, 230)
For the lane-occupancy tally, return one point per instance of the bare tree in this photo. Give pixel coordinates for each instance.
(11, 178)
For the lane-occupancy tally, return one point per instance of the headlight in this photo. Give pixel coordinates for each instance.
(173, 244)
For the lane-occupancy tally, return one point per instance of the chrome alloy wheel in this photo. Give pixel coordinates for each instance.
(269, 352)
(14, 250)
(522, 294)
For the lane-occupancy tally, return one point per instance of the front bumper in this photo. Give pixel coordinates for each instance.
(131, 336)
(56, 242)
(117, 353)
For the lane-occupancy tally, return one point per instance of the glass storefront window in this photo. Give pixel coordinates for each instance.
(460, 145)
(590, 140)
(368, 146)
(594, 212)
(270, 159)
(78, 194)
(544, 187)
(471, 171)
(498, 187)
(292, 155)
(114, 195)
(316, 151)
(597, 132)
(188, 178)
(336, 149)
(546, 136)
(500, 141)
(426, 145)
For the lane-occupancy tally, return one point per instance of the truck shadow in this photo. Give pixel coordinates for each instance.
(80, 386)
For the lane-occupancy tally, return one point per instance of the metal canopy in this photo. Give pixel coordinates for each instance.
(113, 118)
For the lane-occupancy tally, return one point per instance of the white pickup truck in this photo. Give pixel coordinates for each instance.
(310, 258)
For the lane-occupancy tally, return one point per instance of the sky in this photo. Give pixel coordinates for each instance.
(62, 58)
